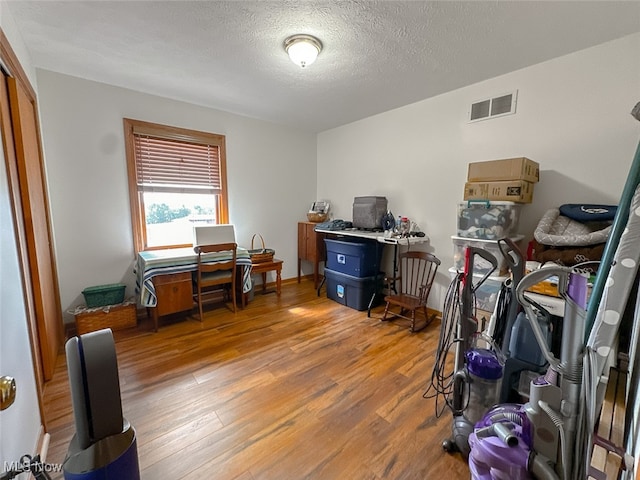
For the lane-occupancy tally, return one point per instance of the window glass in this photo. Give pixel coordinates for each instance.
(177, 179)
(170, 217)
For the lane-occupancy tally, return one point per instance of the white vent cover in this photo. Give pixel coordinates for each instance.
(493, 107)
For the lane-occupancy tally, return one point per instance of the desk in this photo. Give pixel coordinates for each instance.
(379, 237)
(265, 267)
(172, 268)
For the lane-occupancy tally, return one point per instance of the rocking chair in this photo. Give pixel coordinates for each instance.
(411, 287)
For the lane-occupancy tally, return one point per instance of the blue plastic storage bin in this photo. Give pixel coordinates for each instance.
(354, 292)
(358, 259)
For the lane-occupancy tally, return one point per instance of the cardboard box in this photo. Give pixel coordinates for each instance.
(517, 191)
(508, 169)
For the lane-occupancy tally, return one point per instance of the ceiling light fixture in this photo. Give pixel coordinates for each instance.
(302, 49)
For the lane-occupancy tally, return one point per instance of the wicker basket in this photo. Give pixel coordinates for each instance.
(260, 255)
(115, 317)
(316, 217)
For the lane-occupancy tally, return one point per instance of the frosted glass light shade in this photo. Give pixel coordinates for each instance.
(302, 49)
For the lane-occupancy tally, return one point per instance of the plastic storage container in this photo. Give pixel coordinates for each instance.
(487, 293)
(488, 220)
(480, 264)
(359, 259)
(354, 292)
(523, 344)
(102, 295)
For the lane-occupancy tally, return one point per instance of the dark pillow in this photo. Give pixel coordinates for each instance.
(585, 213)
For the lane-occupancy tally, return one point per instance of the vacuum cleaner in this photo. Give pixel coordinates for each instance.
(474, 384)
(551, 436)
(104, 446)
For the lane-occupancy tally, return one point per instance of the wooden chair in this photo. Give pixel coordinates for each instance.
(416, 273)
(220, 274)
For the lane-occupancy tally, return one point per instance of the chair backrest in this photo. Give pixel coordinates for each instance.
(417, 271)
(226, 260)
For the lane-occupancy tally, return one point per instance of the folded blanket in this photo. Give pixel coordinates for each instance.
(568, 256)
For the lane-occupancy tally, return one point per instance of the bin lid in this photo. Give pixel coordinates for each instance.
(484, 363)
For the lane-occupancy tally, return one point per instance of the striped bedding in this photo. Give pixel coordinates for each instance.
(178, 260)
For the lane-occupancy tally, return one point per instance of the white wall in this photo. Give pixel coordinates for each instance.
(572, 118)
(20, 423)
(270, 169)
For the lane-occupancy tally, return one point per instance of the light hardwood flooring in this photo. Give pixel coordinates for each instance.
(291, 387)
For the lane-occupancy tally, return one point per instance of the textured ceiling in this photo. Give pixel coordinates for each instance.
(378, 55)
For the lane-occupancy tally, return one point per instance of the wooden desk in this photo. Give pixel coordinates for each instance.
(265, 267)
(163, 278)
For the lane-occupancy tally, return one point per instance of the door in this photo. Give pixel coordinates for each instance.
(20, 423)
(37, 231)
(27, 191)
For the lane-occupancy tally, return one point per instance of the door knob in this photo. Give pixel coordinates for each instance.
(7, 392)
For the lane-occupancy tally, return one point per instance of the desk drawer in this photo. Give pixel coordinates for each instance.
(174, 292)
(171, 278)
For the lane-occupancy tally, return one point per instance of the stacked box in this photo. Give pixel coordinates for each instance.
(481, 265)
(354, 292)
(352, 272)
(510, 179)
(359, 259)
(508, 169)
(487, 293)
(517, 191)
(488, 220)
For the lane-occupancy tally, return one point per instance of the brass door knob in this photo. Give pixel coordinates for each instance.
(7, 392)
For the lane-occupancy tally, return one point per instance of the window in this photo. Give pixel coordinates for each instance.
(177, 179)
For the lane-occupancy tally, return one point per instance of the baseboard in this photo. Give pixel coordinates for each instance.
(437, 313)
(42, 443)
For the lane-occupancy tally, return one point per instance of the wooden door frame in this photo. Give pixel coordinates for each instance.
(37, 337)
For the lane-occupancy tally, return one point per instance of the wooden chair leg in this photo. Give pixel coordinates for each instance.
(426, 317)
(200, 303)
(386, 310)
(233, 297)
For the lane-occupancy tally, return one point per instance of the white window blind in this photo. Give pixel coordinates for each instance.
(164, 164)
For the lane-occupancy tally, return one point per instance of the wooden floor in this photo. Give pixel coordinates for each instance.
(296, 387)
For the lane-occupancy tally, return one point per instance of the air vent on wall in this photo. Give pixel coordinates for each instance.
(493, 107)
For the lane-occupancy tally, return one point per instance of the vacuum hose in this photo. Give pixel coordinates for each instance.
(500, 430)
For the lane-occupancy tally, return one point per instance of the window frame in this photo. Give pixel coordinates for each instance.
(136, 198)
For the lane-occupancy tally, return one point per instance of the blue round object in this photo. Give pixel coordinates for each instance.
(484, 363)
